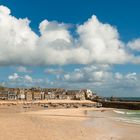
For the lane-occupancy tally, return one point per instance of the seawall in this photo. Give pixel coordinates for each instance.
(121, 105)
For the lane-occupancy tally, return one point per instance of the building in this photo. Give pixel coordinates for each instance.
(21, 94)
(45, 94)
(12, 94)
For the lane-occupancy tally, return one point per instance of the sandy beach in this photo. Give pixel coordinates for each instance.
(63, 124)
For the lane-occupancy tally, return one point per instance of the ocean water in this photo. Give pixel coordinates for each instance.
(132, 99)
(129, 116)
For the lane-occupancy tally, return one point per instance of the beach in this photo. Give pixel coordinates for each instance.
(37, 123)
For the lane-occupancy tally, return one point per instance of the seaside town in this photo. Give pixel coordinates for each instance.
(62, 98)
(69, 70)
(48, 98)
(45, 94)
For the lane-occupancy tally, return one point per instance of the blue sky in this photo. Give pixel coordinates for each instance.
(71, 44)
(122, 14)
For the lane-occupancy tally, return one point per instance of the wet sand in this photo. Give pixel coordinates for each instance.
(62, 124)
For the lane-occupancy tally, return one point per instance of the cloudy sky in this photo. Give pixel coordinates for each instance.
(71, 44)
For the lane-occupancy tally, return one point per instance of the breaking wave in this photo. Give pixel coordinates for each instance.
(127, 112)
(119, 112)
(129, 116)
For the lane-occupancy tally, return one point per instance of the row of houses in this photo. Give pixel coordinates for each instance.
(45, 94)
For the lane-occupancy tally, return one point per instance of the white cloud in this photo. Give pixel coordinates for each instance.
(103, 81)
(54, 71)
(13, 77)
(134, 44)
(96, 43)
(102, 42)
(73, 77)
(23, 69)
(118, 76)
(53, 31)
(131, 76)
(87, 74)
(4, 10)
(28, 78)
(23, 80)
(17, 77)
(17, 40)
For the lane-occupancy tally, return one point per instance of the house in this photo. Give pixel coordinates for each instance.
(80, 95)
(61, 96)
(21, 94)
(36, 95)
(3, 95)
(42, 95)
(50, 95)
(89, 95)
(75, 94)
(12, 94)
(28, 95)
(71, 94)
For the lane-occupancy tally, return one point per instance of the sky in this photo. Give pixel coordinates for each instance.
(71, 44)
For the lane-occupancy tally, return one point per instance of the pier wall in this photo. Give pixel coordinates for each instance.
(121, 105)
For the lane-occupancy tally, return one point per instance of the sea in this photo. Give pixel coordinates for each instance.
(132, 99)
(121, 115)
(129, 116)
(124, 115)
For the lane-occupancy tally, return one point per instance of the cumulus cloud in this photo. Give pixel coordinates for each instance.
(21, 80)
(87, 74)
(17, 40)
(16, 77)
(118, 76)
(28, 78)
(13, 77)
(53, 31)
(96, 43)
(23, 69)
(54, 71)
(103, 81)
(5, 10)
(102, 42)
(94, 74)
(134, 44)
(131, 76)
(99, 78)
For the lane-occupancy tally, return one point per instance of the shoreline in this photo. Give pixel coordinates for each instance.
(99, 121)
